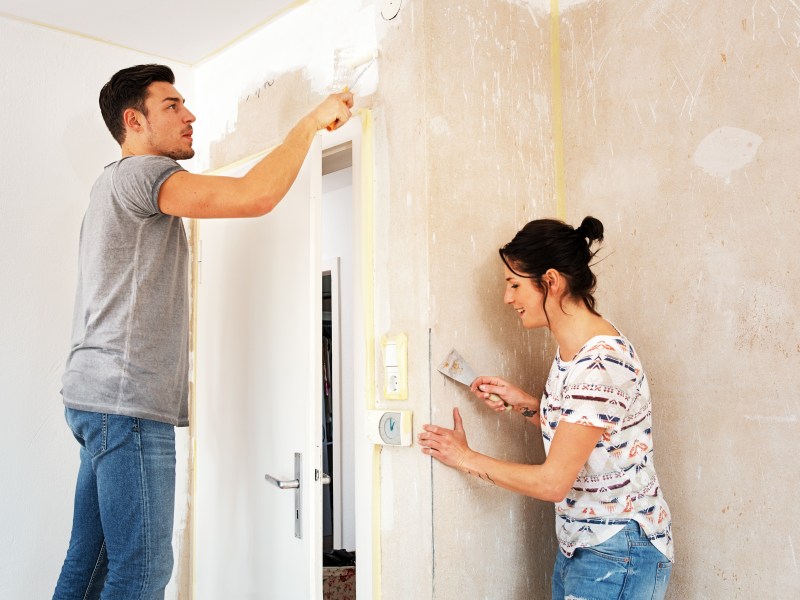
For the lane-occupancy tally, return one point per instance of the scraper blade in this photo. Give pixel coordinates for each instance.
(455, 367)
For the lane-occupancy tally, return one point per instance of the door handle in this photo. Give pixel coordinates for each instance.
(284, 484)
(293, 484)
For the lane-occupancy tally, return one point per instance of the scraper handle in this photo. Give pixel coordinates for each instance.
(497, 398)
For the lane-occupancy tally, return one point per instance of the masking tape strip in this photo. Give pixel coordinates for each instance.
(194, 231)
(558, 110)
(368, 307)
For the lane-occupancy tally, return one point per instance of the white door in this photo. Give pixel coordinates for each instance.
(259, 400)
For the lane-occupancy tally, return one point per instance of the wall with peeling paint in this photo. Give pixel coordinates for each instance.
(461, 101)
(53, 146)
(681, 135)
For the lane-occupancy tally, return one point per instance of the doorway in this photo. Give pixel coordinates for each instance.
(258, 381)
(338, 409)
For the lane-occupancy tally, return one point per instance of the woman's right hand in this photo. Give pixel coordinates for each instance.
(489, 389)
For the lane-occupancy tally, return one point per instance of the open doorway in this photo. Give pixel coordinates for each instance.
(258, 479)
(338, 394)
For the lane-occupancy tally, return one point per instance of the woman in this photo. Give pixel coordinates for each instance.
(612, 522)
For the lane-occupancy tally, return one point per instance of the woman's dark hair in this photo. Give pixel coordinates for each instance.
(128, 89)
(550, 244)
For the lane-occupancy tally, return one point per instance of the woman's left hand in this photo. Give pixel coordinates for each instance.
(448, 446)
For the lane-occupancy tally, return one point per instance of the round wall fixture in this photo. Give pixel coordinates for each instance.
(390, 9)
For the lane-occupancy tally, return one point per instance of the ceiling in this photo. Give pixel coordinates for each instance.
(179, 30)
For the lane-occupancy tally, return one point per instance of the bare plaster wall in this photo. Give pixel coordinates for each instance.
(681, 135)
(489, 171)
(463, 160)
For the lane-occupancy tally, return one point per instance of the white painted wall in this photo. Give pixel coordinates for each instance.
(301, 41)
(53, 146)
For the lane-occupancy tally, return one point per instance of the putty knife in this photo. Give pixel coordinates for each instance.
(456, 368)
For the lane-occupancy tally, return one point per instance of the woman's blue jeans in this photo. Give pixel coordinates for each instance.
(625, 567)
(121, 543)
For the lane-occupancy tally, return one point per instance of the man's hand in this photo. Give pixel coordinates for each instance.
(333, 112)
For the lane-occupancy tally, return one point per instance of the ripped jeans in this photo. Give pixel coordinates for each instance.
(625, 567)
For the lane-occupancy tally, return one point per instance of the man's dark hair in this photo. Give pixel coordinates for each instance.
(128, 89)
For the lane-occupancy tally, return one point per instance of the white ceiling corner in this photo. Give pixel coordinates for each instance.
(181, 30)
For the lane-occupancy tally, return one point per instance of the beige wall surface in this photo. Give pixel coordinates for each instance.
(681, 135)
(463, 160)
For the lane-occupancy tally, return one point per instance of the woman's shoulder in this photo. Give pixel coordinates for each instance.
(609, 353)
(607, 344)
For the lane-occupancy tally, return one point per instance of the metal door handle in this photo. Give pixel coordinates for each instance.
(284, 484)
(293, 484)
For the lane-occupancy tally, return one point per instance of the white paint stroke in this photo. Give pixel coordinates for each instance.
(543, 6)
(769, 419)
(301, 41)
(777, 16)
(725, 150)
(795, 77)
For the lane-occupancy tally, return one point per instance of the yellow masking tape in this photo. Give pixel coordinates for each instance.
(194, 233)
(558, 111)
(368, 304)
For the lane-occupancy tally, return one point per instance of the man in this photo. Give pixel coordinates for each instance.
(125, 386)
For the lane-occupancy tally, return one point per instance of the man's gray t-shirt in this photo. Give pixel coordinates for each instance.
(130, 337)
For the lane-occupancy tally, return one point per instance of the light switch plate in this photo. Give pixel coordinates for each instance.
(395, 366)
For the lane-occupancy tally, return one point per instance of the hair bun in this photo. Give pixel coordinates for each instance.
(591, 229)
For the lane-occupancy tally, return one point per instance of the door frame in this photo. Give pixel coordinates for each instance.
(359, 132)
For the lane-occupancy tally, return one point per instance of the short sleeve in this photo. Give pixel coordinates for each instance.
(137, 182)
(600, 386)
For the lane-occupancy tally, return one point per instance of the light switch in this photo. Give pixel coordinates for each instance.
(395, 367)
(390, 353)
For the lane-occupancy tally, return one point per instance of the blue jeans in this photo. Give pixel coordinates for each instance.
(625, 567)
(121, 544)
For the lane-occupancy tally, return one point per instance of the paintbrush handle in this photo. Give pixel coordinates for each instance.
(331, 127)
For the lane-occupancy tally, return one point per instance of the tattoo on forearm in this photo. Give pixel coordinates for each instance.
(484, 476)
(529, 412)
